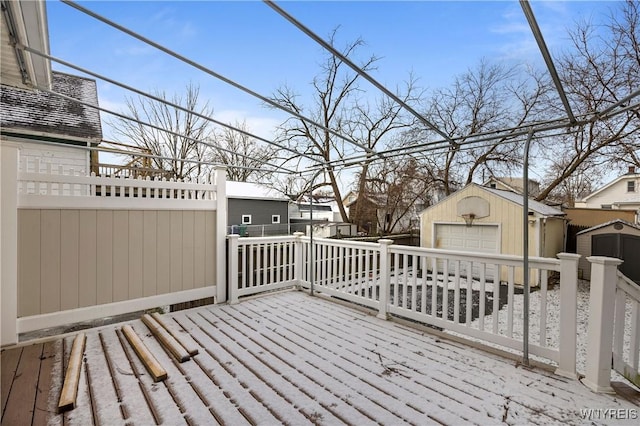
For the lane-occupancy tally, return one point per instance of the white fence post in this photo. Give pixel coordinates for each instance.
(604, 280)
(221, 234)
(9, 154)
(233, 268)
(568, 314)
(385, 273)
(298, 266)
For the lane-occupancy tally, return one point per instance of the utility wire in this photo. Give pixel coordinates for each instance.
(212, 73)
(163, 101)
(153, 126)
(356, 68)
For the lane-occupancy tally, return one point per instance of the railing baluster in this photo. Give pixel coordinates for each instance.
(456, 293)
(496, 297)
(543, 308)
(434, 287)
(469, 292)
(445, 289)
(511, 279)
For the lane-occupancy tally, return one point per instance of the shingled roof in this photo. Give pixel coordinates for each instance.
(38, 111)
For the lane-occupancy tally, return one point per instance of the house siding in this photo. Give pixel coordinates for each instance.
(260, 211)
(616, 193)
(80, 258)
(76, 159)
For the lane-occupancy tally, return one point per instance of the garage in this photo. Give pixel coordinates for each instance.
(482, 220)
(476, 238)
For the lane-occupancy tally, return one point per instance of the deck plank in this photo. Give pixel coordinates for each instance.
(9, 361)
(45, 401)
(21, 401)
(291, 358)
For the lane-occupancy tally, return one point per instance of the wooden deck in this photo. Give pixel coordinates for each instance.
(288, 358)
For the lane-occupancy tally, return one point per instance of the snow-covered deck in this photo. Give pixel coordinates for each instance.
(289, 358)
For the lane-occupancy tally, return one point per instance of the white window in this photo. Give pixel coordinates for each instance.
(275, 218)
(246, 219)
(631, 186)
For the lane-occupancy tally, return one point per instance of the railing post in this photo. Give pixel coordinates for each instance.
(385, 273)
(568, 314)
(604, 277)
(9, 154)
(221, 234)
(298, 266)
(233, 267)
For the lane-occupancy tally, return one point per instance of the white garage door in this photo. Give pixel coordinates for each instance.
(476, 239)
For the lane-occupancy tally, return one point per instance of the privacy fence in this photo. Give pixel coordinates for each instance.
(78, 247)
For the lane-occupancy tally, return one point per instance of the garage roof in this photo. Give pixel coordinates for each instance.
(534, 206)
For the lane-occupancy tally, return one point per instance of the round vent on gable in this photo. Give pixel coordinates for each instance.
(618, 226)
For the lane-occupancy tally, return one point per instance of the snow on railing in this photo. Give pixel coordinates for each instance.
(259, 264)
(626, 334)
(476, 295)
(39, 184)
(614, 325)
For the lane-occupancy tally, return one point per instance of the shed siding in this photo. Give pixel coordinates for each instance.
(77, 258)
(583, 246)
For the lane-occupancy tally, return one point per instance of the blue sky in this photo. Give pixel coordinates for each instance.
(248, 42)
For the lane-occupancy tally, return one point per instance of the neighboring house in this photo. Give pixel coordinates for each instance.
(252, 207)
(621, 193)
(50, 128)
(333, 230)
(45, 126)
(303, 211)
(375, 215)
(486, 220)
(617, 238)
(513, 185)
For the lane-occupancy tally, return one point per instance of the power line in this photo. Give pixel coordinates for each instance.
(212, 73)
(163, 101)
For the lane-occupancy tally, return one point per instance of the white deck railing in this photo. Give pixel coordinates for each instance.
(613, 336)
(462, 293)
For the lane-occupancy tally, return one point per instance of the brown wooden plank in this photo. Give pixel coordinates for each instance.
(167, 340)
(22, 397)
(150, 362)
(46, 383)
(72, 377)
(191, 348)
(9, 360)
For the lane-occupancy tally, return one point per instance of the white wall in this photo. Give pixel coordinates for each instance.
(68, 157)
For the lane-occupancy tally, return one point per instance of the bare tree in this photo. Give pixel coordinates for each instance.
(602, 68)
(338, 103)
(176, 134)
(396, 191)
(489, 98)
(243, 155)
